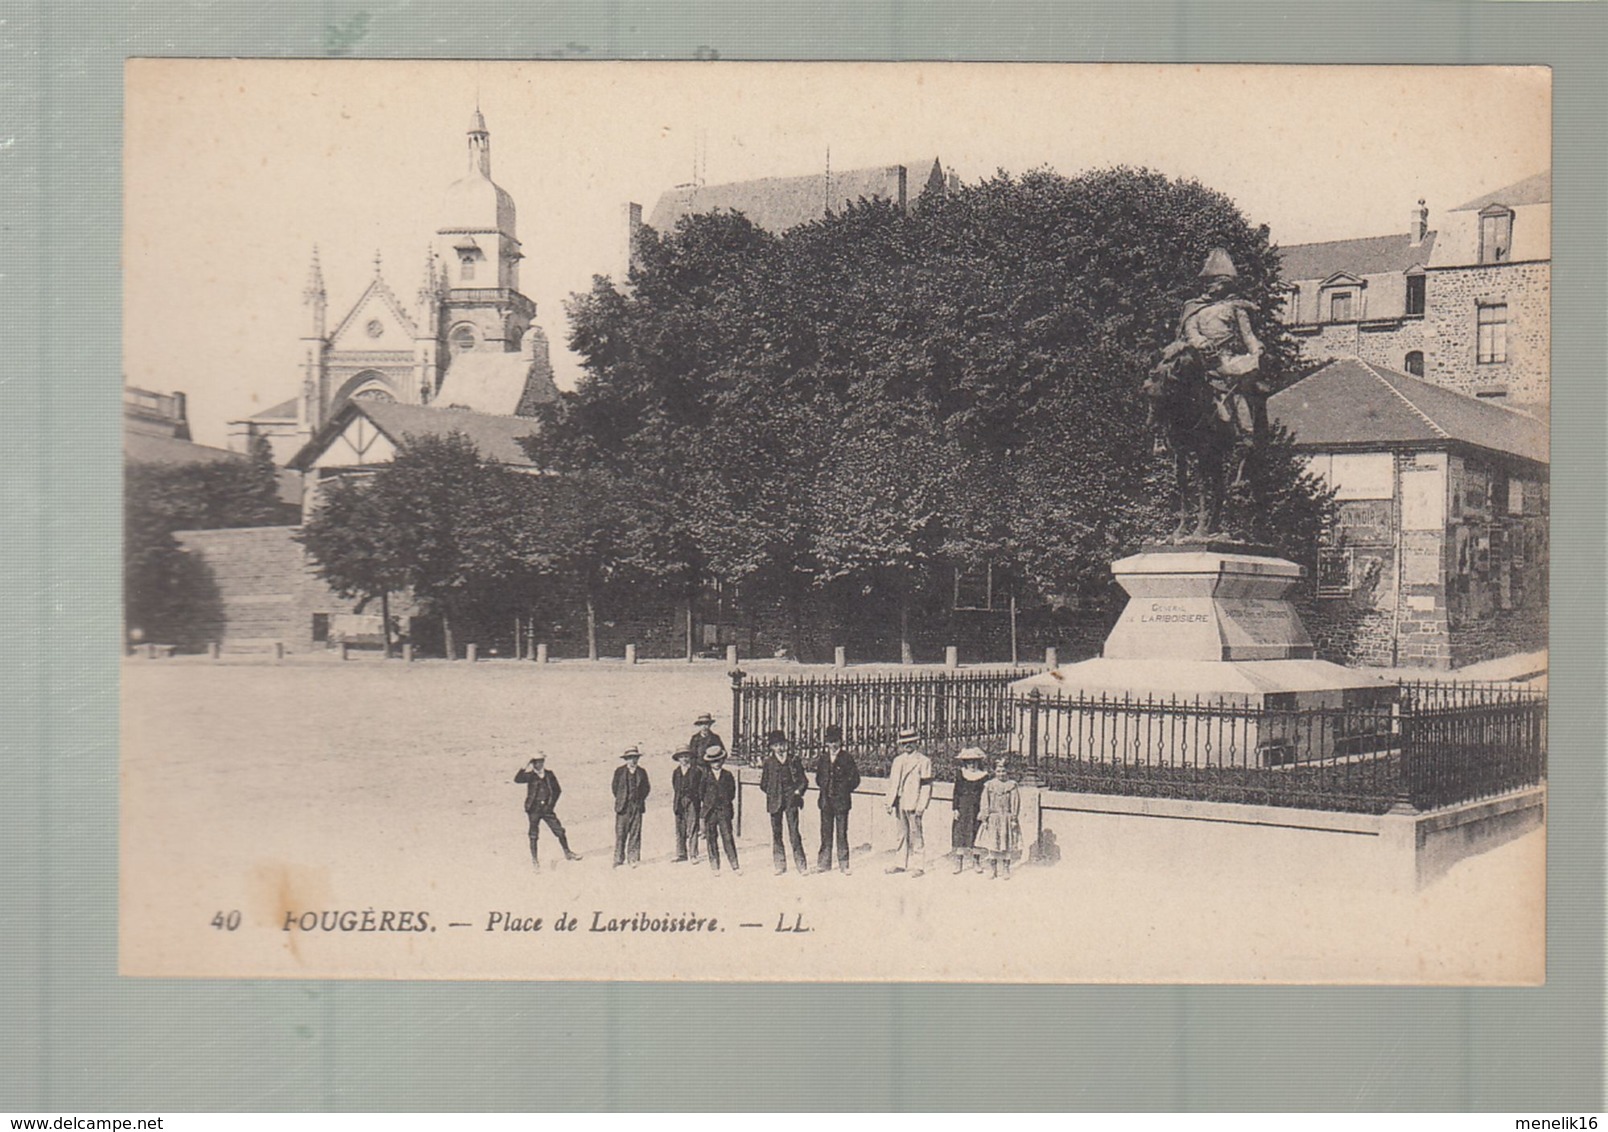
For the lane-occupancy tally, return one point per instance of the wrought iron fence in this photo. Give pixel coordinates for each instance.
(1426, 744)
(951, 711)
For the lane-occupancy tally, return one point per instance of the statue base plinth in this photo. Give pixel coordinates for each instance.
(1206, 627)
(1195, 602)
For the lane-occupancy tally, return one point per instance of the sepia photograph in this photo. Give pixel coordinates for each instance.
(874, 522)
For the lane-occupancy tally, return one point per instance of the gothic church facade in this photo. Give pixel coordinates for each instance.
(471, 340)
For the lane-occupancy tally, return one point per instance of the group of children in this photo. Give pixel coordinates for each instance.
(986, 804)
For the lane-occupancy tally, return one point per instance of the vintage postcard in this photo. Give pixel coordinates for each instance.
(880, 522)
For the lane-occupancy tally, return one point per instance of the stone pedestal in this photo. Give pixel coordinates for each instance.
(1208, 629)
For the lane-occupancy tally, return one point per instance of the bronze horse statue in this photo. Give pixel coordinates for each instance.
(1189, 416)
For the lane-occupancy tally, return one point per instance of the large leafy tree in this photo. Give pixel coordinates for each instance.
(438, 520)
(868, 397)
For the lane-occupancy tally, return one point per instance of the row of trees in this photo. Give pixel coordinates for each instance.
(848, 409)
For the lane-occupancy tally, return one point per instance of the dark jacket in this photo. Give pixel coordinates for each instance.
(836, 781)
(541, 791)
(700, 743)
(784, 784)
(719, 795)
(688, 784)
(630, 790)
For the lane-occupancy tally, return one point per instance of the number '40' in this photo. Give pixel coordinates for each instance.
(226, 921)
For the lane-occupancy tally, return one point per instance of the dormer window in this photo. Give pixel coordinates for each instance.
(1496, 234)
(1340, 306)
(1415, 295)
(1340, 298)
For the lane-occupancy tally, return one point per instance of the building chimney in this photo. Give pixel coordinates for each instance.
(633, 226)
(1419, 227)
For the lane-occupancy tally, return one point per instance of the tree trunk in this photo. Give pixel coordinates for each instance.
(689, 630)
(591, 626)
(385, 621)
(446, 634)
(907, 655)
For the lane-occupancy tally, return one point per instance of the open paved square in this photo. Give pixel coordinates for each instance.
(374, 787)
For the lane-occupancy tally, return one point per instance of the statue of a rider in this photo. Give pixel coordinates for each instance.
(1216, 325)
(1208, 400)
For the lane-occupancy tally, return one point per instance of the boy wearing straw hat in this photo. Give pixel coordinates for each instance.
(909, 793)
(717, 805)
(631, 789)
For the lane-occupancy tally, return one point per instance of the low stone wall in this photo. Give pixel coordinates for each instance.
(1393, 852)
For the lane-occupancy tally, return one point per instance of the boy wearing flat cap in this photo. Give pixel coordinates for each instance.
(630, 799)
(541, 799)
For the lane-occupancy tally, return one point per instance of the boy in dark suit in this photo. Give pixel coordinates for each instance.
(541, 797)
(687, 783)
(630, 799)
(783, 780)
(836, 777)
(717, 806)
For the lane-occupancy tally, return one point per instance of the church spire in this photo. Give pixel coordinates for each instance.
(479, 144)
(313, 295)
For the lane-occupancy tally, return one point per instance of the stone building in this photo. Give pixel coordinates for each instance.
(779, 203)
(471, 341)
(1439, 555)
(1464, 305)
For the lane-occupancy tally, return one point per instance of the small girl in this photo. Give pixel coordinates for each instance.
(1000, 835)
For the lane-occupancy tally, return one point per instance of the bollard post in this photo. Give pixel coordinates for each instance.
(731, 655)
(407, 652)
(279, 650)
(951, 656)
(541, 653)
(840, 657)
(346, 651)
(1050, 659)
(215, 650)
(471, 651)
(630, 654)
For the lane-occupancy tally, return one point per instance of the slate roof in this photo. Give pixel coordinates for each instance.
(142, 448)
(779, 203)
(284, 411)
(1350, 403)
(1535, 189)
(496, 437)
(489, 381)
(1370, 255)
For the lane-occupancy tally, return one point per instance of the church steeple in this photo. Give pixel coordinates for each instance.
(313, 295)
(479, 145)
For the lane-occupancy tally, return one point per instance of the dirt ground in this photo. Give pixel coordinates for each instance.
(372, 787)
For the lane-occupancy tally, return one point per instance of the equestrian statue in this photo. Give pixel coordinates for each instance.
(1208, 403)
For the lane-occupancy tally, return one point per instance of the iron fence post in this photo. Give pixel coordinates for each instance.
(1031, 777)
(737, 675)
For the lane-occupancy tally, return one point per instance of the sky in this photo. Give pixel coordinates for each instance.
(235, 169)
